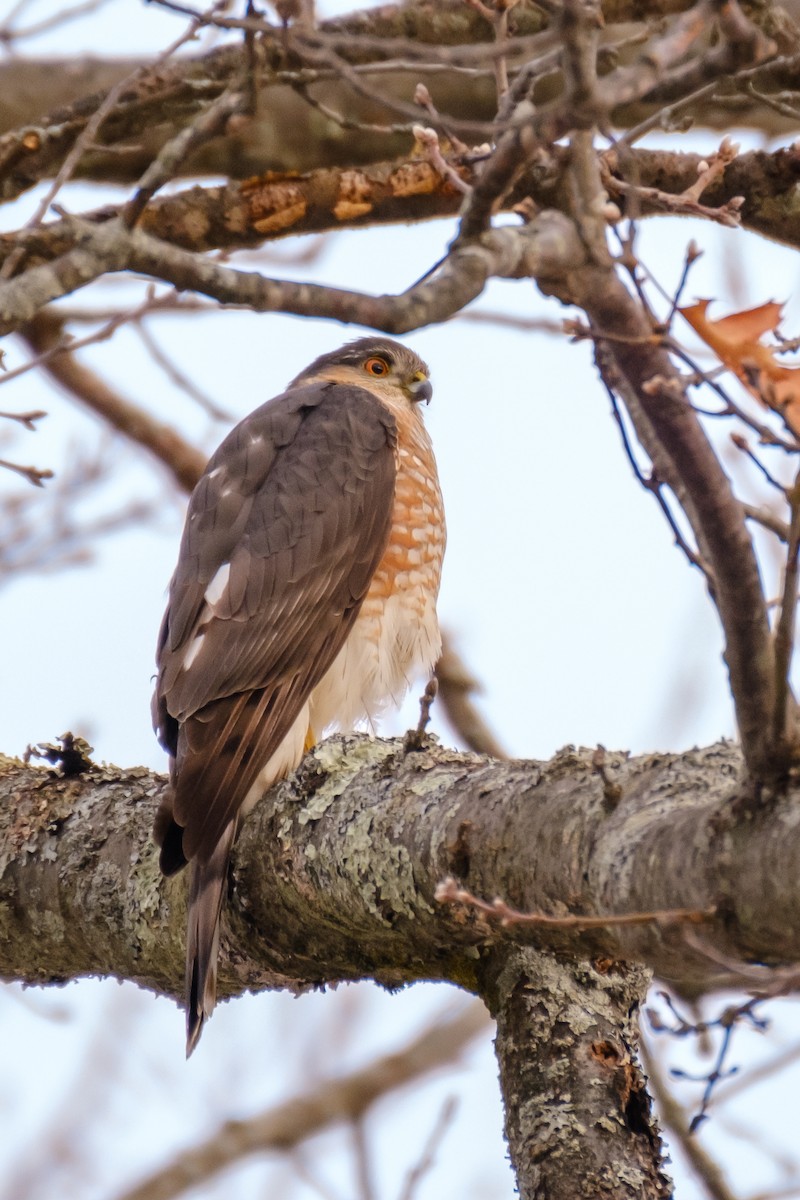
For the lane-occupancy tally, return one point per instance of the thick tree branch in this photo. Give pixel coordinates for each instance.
(576, 1103)
(290, 135)
(336, 870)
(245, 216)
(685, 460)
(548, 245)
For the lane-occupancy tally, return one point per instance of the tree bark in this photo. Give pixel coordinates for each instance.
(336, 871)
(335, 877)
(44, 104)
(578, 1116)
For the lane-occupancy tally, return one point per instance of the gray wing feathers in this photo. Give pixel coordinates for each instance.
(298, 500)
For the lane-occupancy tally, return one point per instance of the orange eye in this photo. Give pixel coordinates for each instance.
(376, 366)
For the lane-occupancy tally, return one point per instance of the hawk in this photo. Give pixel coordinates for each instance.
(304, 600)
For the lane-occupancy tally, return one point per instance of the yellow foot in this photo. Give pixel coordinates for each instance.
(310, 740)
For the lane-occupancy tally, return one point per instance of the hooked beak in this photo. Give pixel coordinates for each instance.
(420, 388)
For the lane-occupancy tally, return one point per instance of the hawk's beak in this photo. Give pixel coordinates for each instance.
(419, 388)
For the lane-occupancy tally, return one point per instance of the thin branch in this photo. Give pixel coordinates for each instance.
(345, 1099)
(652, 484)
(34, 475)
(88, 135)
(428, 1155)
(767, 520)
(113, 320)
(9, 35)
(683, 458)
(707, 1170)
(162, 441)
(457, 685)
(785, 630)
(742, 444)
(179, 378)
(449, 892)
(548, 244)
(416, 739)
(209, 124)
(26, 419)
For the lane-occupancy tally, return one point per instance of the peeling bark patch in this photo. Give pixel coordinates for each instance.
(355, 196)
(272, 205)
(415, 179)
(605, 1053)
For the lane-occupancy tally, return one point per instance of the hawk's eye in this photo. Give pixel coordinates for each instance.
(376, 366)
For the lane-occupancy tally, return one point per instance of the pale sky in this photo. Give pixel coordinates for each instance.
(561, 586)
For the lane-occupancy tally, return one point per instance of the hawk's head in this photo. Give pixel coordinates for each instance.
(380, 364)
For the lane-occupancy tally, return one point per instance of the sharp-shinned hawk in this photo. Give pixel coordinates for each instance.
(304, 599)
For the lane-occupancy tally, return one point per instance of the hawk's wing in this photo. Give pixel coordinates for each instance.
(283, 535)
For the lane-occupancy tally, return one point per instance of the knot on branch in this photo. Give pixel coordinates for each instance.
(549, 246)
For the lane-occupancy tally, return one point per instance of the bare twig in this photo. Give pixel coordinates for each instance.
(450, 892)
(612, 792)
(27, 419)
(496, 13)
(456, 688)
(113, 320)
(88, 135)
(183, 460)
(9, 35)
(767, 520)
(162, 169)
(427, 1158)
(651, 483)
(730, 1018)
(363, 1158)
(33, 545)
(179, 378)
(741, 443)
(423, 98)
(707, 1170)
(34, 475)
(785, 629)
(429, 140)
(728, 214)
(415, 738)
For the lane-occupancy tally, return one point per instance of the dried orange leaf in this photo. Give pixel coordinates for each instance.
(736, 340)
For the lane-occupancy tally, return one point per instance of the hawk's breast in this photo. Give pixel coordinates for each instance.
(396, 635)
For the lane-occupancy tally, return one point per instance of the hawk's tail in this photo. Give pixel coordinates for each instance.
(206, 897)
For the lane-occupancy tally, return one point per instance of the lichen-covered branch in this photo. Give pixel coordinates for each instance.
(336, 871)
(578, 1116)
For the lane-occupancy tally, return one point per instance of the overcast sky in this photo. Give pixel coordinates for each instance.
(561, 586)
